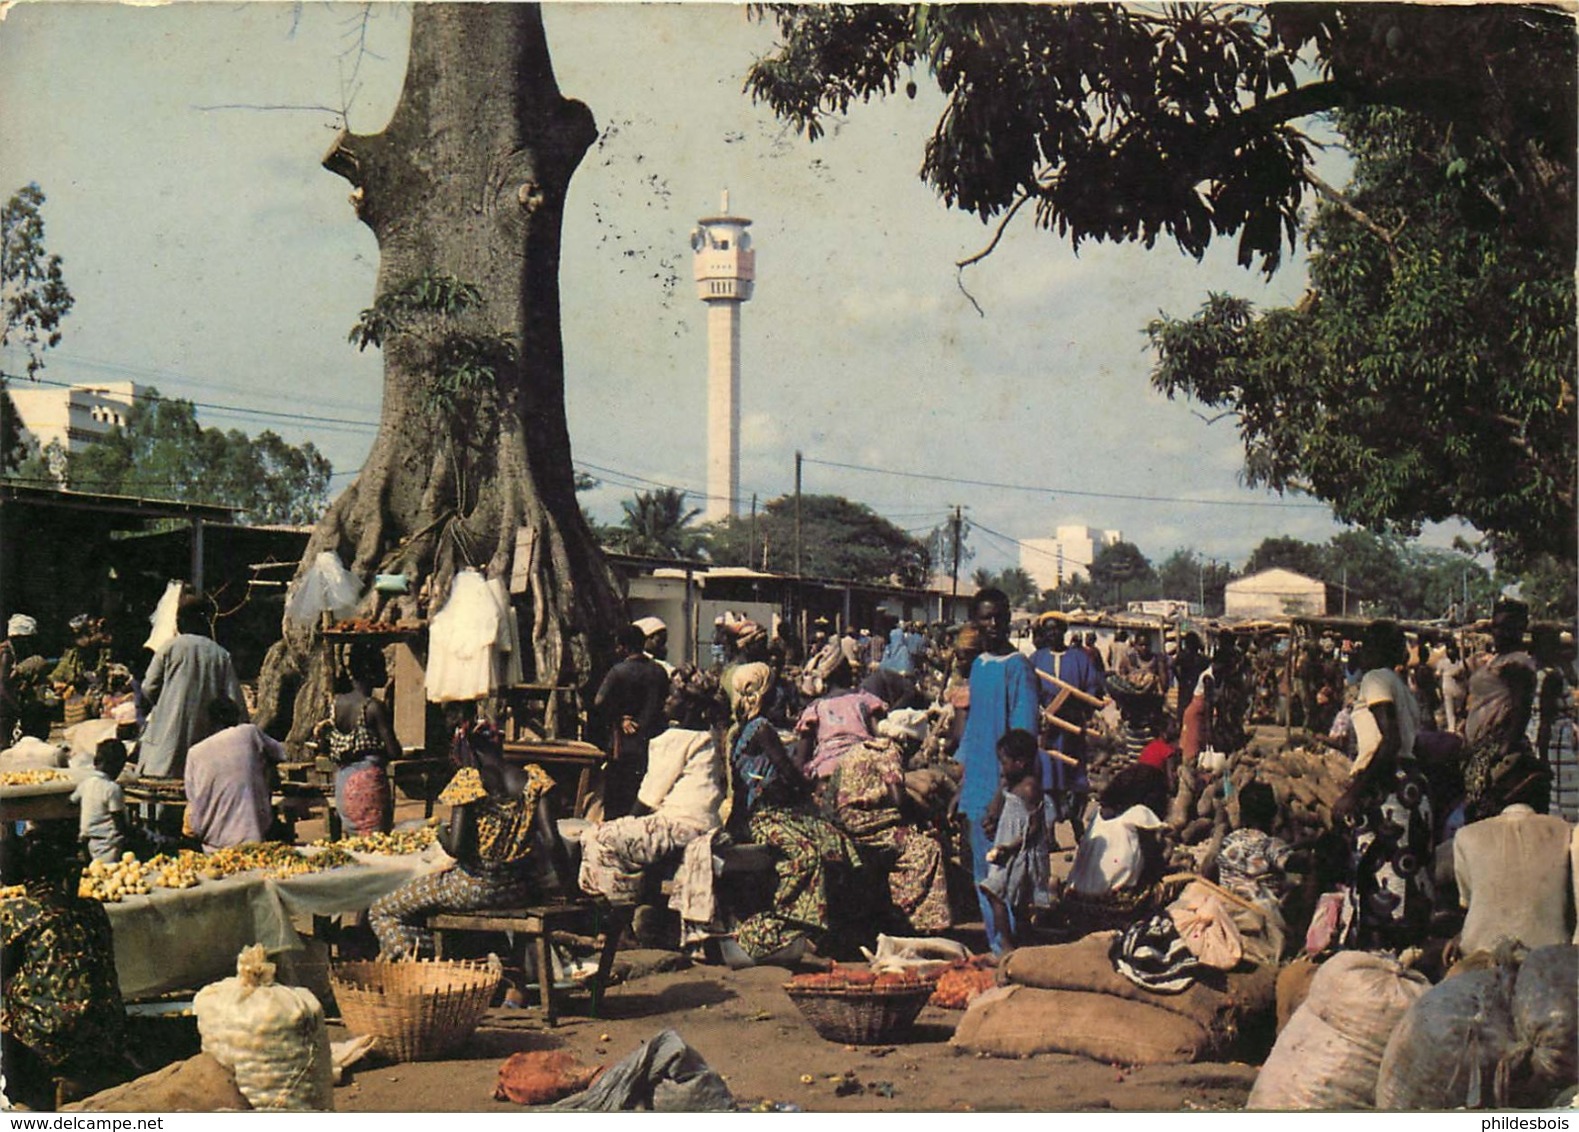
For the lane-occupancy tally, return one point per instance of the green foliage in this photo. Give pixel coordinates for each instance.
(1187, 576)
(461, 366)
(657, 523)
(1017, 585)
(1549, 586)
(840, 539)
(1428, 372)
(1287, 553)
(1131, 123)
(1118, 568)
(33, 293)
(34, 299)
(163, 453)
(1385, 575)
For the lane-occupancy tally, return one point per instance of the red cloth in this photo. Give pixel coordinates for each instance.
(1157, 753)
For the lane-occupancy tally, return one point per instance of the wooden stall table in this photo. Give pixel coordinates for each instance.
(561, 757)
(42, 801)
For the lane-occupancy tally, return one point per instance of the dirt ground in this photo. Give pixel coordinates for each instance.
(749, 1031)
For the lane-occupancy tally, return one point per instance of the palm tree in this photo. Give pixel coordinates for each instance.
(656, 523)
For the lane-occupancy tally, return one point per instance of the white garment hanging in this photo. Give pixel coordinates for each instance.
(508, 669)
(461, 641)
(163, 618)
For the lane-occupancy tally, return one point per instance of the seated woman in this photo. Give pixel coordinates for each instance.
(866, 798)
(772, 806)
(361, 740)
(677, 802)
(840, 719)
(62, 1017)
(501, 830)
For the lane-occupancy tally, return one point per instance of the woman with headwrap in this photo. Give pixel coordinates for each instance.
(866, 798)
(842, 718)
(504, 839)
(772, 806)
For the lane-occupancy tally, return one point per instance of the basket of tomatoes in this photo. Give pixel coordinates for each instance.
(857, 1006)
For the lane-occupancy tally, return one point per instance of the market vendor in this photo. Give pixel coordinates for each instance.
(1501, 698)
(230, 779)
(678, 801)
(361, 740)
(500, 827)
(19, 645)
(185, 676)
(62, 1018)
(85, 665)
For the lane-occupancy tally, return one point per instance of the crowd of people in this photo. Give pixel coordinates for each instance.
(899, 782)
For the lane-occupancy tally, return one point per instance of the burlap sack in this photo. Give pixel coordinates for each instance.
(1018, 1021)
(1293, 985)
(1219, 1003)
(198, 1084)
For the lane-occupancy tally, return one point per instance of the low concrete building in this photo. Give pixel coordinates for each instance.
(1275, 593)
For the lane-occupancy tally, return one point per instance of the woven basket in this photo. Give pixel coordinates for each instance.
(860, 1015)
(413, 1010)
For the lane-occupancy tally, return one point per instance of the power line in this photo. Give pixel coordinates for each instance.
(1060, 490)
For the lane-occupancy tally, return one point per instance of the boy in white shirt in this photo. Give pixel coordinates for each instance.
(102, 825)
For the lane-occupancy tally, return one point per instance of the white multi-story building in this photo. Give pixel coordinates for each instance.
(73, 417)
(1053, 561)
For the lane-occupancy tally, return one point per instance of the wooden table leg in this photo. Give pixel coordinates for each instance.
(545, 974)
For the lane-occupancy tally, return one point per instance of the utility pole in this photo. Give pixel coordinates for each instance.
(751, 545)
(958, 522)
(1345, 583)
(797, 512)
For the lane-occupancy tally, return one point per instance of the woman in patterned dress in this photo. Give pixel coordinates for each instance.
(501, 828)
(62, 1016)
(772, 806)
(866, 798)
(361, 740)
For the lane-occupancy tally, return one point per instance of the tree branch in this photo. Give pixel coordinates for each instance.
(1363, 219)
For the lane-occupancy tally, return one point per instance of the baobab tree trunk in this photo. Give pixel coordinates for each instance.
(468, 180)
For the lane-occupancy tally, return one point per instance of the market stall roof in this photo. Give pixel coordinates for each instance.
(114, 504)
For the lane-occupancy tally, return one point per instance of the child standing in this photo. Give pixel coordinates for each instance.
(102, 825)
(1017, 873)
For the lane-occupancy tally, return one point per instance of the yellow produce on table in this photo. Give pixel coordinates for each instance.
(32, 777)
(397, 843)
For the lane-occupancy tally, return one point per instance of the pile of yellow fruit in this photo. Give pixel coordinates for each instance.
(32, 777)
(400, 842)
(112, 881)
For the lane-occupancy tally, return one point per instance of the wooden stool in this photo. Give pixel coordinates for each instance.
(541, 924)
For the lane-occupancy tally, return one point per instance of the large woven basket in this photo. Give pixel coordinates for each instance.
(860, 1015)
(413, 1010)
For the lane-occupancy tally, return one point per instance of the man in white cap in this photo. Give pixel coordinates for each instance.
(19, 633)
(657, 641)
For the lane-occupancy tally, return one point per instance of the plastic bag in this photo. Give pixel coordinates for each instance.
(162, 621)
(1546, 1026)
(326, 587)
(1445, 1051)
(271, 1037)
(1328, 1055)
(1207, 928)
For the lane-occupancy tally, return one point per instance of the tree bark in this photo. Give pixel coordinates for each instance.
(467, 180)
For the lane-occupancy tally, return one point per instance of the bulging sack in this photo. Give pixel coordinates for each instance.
(272, 1037)
(1328, 1055)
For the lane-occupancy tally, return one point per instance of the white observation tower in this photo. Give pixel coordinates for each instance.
(726, 269)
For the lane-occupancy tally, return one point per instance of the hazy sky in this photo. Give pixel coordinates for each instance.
(212, 256)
